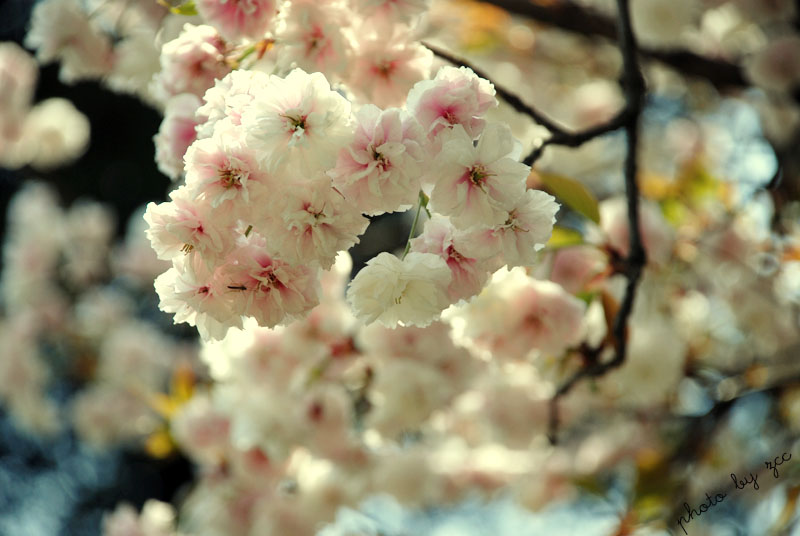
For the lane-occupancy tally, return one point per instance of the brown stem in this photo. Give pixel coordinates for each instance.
(559, 134)
(508, 96)
(634, 88)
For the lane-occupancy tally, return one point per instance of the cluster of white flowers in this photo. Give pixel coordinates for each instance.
(304, 419)
(110, 40)
(287, 124)
(281, 174)
(54, 287)
(45, 135)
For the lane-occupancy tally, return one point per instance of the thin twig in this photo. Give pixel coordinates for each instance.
(559, 135)
(576, 139)
(413, 230)
(503, 93)
(634, 88)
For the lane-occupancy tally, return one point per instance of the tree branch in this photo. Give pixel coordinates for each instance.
(634, 88)
(576, 139)
(572, 17)
(511, 98)
(560, 135)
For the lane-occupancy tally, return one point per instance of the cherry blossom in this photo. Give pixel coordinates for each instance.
(176, 133)
(191, 62)
(657, 236)
(392, 10)
(312, 38)
(527, 227)
(228, 98)
(517, 314)
(156, 519)
(54, 133)
(315, 223)
(265, 287)
(239, 18)
(441, 238)
(61, 31)
(384, 70)
(222, 168)
(183, 225)
(456, 96)
(777, 65)
(412, 291)
(297, 117)
(197, 297)
(477, 185)
(379, 171)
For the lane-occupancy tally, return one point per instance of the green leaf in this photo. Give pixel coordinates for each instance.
(563, 238)
(187, 8)
(573, 194)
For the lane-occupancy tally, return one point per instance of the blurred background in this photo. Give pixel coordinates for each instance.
(724, 123)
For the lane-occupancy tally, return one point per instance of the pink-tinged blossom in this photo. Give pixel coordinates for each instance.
(657, 235)
(24, 374)
(184, 225)
(176, 134)
(517, 314)
(574, 267)
(157, 519)
(228, 98)
(407, 404)
(298, 122)
(238, 19)
(62, 31)
(391, 11)
(136, 60)
(547, 318)
(134, 354)
(412, 291)
(527, 228)
(315, 223)
(54, 134)
(135, 258)
(384, 70)
(18, 73)
(191, 62)
(222, 168)
(777, 65)
(312, 38)
(477, 185)
(379, 172)
(455, 97)
(267, 288)
(197, 297)
(201, 430)
(441, 238)
(104, 415)
(653, 367)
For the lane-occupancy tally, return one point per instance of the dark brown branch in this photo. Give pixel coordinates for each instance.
(576, 139)
(575, 18)
(559, 135)
(634, 88)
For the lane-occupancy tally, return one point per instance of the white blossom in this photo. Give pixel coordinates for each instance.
(412, 291)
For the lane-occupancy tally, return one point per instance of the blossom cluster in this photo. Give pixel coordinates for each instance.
(70, 312)
(282, 173)
(43, 135)
(428, 376)
(304, 419)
